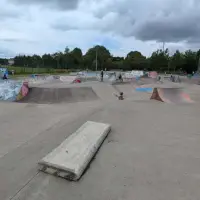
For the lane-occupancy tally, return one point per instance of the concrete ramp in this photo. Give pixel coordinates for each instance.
(148, 80)
(104, 91)
(70, 159)
(190, 81)
(170, 95)
(68, 79)
(59, 95)
(13, 90)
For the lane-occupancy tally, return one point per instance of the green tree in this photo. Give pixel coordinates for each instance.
(198, 60)
(67, 50)
(177, 60)
(58, 57)
(190, 61)
(101, 53)
(117, 63)
(135, 60)
(159, 60)
(3, 61)
(77, 58)
(74, 59)
(48, 61)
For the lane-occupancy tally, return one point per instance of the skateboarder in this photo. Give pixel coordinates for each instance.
(120, 96)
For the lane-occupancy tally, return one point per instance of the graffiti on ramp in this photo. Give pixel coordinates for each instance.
(170, 95)
(13, 90)
(70, 79)
(23, 92)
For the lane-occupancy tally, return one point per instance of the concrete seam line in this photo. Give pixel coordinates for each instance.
(24, 186)
(56, 125)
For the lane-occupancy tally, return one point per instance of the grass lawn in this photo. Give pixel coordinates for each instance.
(39, 70)
(20, 76)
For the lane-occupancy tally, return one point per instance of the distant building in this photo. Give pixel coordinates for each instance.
(11, 61)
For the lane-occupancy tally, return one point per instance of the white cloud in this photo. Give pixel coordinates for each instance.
(120, 25)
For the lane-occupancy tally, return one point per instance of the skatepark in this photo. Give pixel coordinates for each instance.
(151, 152)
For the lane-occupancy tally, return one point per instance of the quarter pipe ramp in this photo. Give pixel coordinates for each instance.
(170, 95)
(59, 95)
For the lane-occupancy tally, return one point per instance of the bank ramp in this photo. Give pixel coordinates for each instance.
(59, 95)
(170, 95)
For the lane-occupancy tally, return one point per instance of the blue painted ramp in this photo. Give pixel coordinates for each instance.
(144, 89)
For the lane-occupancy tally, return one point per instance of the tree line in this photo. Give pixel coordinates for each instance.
(99, 57)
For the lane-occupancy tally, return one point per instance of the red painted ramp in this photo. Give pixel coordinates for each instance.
(170, 95)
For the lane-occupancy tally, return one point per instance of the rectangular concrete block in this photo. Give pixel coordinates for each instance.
(70, 159)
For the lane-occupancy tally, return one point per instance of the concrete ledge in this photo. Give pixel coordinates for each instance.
(70, 159)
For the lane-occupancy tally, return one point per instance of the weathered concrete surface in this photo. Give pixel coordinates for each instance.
(59, 95)
(25, 140)
(18, 126)
(152, 152)
(72, 156)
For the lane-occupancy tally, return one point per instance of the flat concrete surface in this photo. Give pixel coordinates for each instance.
(152, 152)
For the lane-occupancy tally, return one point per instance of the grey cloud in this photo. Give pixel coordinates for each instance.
(58, 4)
(11, 40)
(169, 29)
(6, 53)
(155, 20)
(5, 14)
(63, 27)
(78, 21)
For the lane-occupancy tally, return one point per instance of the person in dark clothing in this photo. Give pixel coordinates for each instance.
(5, 77)
(102, 75)
(120, 77)
(172, 78)
(121, 96)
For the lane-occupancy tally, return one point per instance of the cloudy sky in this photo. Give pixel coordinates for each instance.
(47, 26)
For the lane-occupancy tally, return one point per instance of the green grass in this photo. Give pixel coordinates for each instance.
(27, 71)
(16, 76)
(23, 70)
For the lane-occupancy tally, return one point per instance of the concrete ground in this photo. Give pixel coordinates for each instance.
(151, 153)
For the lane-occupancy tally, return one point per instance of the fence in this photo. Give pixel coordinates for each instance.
(26, 70)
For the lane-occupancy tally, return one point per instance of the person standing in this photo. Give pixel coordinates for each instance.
(5, 77)
(102, 74)
(120, 77)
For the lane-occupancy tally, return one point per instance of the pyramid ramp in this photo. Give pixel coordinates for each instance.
(71, 158)
(170, 95)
